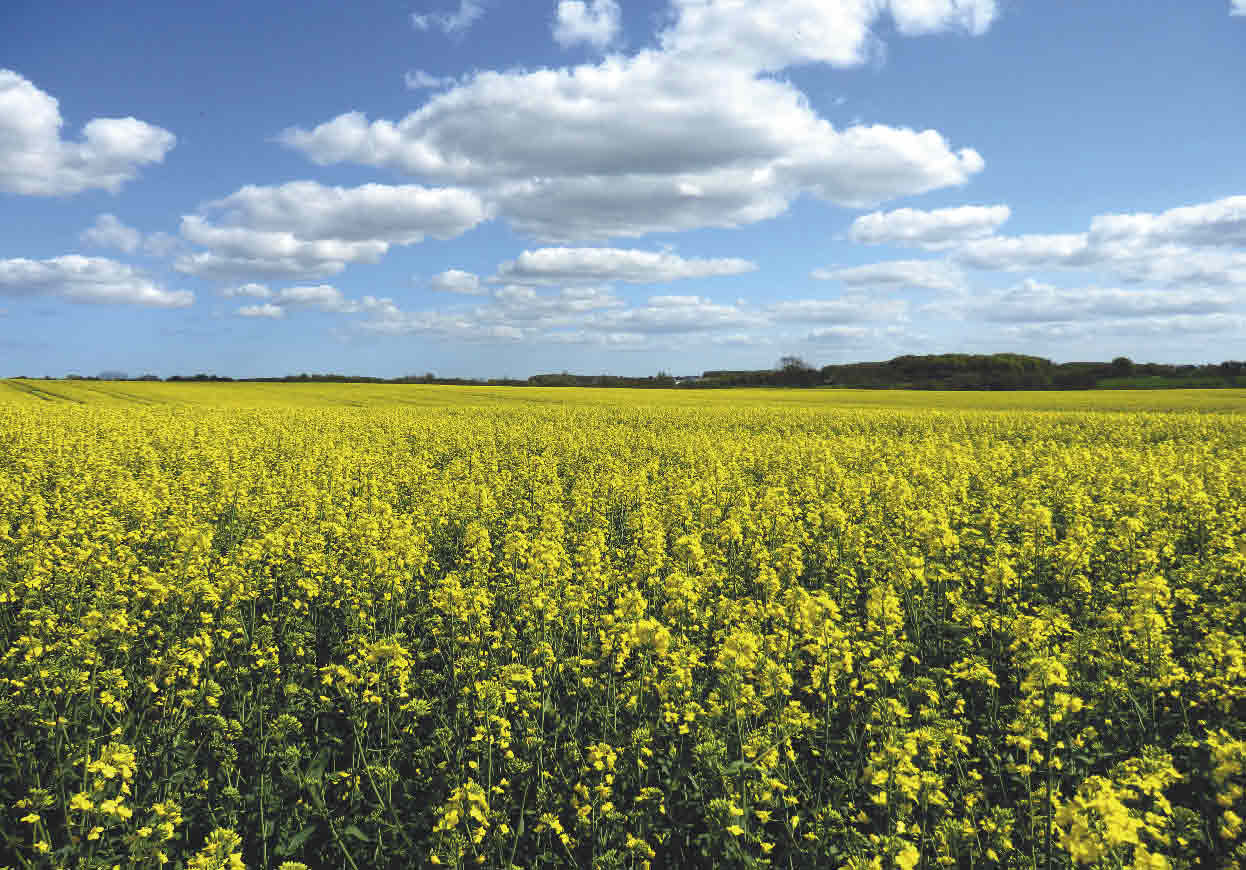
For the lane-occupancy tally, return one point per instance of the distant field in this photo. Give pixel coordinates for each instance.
(259, 395)
(301, 626)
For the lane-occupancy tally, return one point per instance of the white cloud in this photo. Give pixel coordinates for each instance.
(1037, 302)
(1024, 252)
(595, 315)
(457, 281)
(669, 300)
(87, 279)
(109, 232)
(916, 17)
(845, 309)
(453, 23)
(244, 252)
(34, 160)
(516, 303)
(772, 36)
(596, 22)
(1175, 265)
(1237, 7)
(303, 229)
(1149, 328)
(161, 244)
(323, 297)
(700, 316)
(418, 79)
(1196, 244)
(659, 141)
(1221, 223)
(898, 274)
(572, 314)
(841, 335)
(741, 339)
(597, 265)
(266, 310)
(399, 214)
(318, 297)
(253, 290)
(929, 229)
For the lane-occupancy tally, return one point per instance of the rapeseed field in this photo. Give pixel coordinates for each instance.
(401, 626)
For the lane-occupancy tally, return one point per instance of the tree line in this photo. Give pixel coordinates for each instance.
(950, 371)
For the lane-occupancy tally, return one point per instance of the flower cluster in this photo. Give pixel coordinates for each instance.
(393, 626)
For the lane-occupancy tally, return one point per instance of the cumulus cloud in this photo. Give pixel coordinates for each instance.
(773, 36)
(668, 299)
(1221, 223)
(852, 335)
(597, 265)
(929, 229)
(36, 161)
(1025, 252)
(253, 290)
(595, 315)
(574, 314)
(897, 275)
(457, 281)
(322, 297)
(87, 279)
(453, 23)
(519, 304)
(1154, 328)
(690, 317)
(304, 229)
(318, 297)
(845, 309)
(399, 214)
(418, 79)
(160, 244)
(1037, 302)
(741, 339)
(109, 231)
(236, 251)
(1198, 244)
(596, 22)
(265, 310)
(691, 134)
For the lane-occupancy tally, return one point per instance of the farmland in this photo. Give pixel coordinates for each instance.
(392, 626)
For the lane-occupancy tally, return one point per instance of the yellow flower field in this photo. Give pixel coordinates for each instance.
(272, 625)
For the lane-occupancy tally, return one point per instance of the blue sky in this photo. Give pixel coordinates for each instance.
(488, 188)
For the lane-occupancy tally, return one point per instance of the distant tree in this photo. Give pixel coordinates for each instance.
(793, 363)
(1122, 367)
(111, 375)
(793, 371)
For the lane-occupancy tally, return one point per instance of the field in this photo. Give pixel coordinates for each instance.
(394, 626)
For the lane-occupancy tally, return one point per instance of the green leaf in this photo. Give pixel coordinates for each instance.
(354, 833)
(292, 845)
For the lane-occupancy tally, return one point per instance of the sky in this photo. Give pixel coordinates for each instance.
(483, 188)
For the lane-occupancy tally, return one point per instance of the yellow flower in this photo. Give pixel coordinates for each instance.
(735, 830)
(907, 857)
